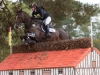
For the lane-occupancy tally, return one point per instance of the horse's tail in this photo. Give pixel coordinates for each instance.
(63, 35)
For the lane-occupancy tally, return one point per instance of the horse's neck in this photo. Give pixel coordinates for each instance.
(27, 21)
(28, 24)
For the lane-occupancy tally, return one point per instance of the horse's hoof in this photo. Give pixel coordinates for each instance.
(26, 43)
(32, 42)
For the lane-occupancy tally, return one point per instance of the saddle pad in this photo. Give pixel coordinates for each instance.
(52, 30)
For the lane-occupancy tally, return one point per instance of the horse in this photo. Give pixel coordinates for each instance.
(35, 32)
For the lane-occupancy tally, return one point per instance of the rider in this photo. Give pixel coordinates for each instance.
(41, 14)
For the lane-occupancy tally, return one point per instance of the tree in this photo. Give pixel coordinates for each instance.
(79, 17)
(7, 16)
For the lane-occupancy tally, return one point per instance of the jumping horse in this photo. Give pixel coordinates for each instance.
(35, 32)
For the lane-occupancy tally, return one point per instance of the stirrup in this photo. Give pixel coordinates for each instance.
(48, 35)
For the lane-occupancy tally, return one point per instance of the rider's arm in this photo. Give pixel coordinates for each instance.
(41, 13)
(33, 16)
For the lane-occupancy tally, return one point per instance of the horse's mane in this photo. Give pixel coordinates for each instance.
(25, 13)
(21, 11)
(37, 22)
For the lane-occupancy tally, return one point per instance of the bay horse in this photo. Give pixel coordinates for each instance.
(35, 32)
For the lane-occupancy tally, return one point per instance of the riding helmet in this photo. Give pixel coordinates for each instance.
(32, 5)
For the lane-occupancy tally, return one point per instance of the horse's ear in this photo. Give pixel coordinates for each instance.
(20, 10)
(15, 11)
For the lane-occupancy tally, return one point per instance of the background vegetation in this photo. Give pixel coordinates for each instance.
(70, 15)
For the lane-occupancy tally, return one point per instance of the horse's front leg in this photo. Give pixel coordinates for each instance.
(27, 40)
(24, 39)
(30, 41)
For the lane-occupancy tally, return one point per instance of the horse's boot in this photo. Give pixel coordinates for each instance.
(32, 42)
(47, 31)
(29, 40)
(23, 39)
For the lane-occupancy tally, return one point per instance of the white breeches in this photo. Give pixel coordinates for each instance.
(47, 20)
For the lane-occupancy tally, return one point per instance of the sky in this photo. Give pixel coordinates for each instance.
(90, 1)
(83, 1)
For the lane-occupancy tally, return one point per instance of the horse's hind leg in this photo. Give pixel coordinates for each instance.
(63, 35)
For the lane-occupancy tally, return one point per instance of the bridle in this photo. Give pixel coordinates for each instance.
(19, 16)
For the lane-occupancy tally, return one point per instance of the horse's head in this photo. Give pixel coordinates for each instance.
(21, 17)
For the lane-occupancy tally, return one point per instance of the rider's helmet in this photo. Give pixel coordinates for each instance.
(32, 5)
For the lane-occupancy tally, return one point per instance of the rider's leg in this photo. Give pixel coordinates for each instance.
(47, 30)
(47, 21)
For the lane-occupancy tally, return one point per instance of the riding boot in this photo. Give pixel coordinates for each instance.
(47, 31)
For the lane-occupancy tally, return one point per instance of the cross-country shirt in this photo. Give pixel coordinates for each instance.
(40, 14)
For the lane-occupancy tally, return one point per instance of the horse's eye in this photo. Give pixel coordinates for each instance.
(19, 16)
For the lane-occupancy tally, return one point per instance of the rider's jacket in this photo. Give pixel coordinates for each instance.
(40, 14)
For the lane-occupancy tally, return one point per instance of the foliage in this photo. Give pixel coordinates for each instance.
(96, 43)
(79, 17)
(6, 21)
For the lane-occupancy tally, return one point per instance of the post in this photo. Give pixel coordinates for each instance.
(10, 39)
(93, 19)
(91, 36)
